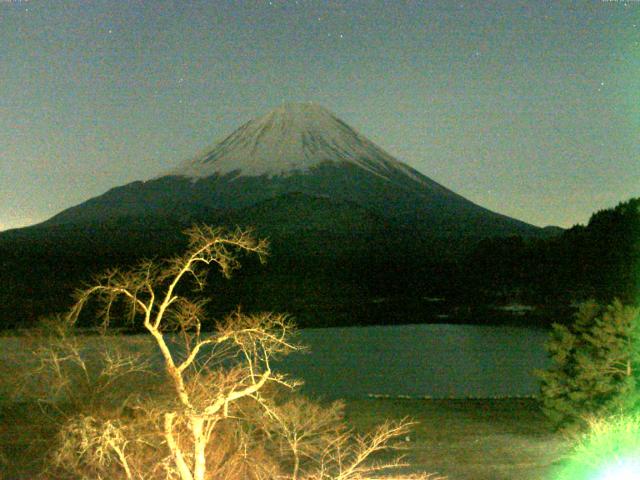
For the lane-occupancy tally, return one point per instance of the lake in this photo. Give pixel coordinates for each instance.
(421, 360)
(428, 360)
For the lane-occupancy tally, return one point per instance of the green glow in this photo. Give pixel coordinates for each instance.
(624, 469)
(610, 451)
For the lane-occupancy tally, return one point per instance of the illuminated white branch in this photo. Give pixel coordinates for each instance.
(210, 381)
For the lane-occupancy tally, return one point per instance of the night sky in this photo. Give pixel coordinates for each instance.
(529, 108)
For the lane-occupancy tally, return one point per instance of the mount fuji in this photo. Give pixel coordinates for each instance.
(302, 149)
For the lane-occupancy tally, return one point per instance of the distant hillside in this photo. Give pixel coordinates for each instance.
(600, 260)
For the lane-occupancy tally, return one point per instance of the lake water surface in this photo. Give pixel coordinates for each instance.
(424, 360)
(428, 360)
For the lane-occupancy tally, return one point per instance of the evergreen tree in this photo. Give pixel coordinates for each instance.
(595, 365)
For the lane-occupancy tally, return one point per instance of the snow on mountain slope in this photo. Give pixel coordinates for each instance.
(293, 139)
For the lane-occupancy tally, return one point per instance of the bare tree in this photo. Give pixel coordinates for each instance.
(217, 381)
(322, 447)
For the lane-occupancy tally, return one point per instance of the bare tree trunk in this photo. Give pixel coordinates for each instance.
(293, 444)
(296, 466)
(123, 460)
(178, 457)
(199, 444)
(170, 366)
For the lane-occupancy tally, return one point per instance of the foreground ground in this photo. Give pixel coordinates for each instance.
(471, 439)
(463, 439)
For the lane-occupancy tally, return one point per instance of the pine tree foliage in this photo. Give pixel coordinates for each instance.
(595, 365)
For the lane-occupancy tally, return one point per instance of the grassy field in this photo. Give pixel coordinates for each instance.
(462, 439)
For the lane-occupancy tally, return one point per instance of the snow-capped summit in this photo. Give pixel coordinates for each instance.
(292, 138)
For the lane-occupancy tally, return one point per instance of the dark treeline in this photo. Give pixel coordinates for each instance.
(367, 271)
(600, 260)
